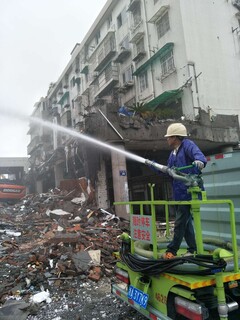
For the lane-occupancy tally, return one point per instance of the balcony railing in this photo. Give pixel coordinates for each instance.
(107, 80)
(137, 31)
(34, 144)
(132, 5)
(66, 120)
(123, 54)
(106, 51)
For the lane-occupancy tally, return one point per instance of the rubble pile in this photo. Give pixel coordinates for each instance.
(50, 240)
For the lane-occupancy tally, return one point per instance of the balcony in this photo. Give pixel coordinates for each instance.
(86, 92)
(133, 4)
(125, 86)
(66, 119)
(34, 144)
(128, 84)
(64, 100)
(92, 78)
(106, 51)
(122, 55)
(158, 14)
(137, 31)
(84, 69)
(107, 80)
(139, 55)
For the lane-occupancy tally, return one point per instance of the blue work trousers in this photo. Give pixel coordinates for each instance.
(183, 229)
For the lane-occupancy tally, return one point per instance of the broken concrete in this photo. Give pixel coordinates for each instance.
(44, 247)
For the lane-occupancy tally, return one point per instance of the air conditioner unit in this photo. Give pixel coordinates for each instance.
(129, 83)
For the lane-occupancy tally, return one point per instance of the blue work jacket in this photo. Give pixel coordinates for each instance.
(187, 153)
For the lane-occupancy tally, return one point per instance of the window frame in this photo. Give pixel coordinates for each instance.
(122, 18)
(143, 81)
(167, 64)
(163, 25)
(127, 74)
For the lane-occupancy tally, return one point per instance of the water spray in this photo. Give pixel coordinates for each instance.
(82, 136)
(190, 180)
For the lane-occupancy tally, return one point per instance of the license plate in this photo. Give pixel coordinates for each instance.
(138, 296)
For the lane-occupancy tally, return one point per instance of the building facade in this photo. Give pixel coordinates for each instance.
(142, 65)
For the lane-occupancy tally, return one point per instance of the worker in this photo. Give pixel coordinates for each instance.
(184, 152)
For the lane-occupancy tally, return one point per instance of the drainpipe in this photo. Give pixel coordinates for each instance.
(195, 76)
(149, 48)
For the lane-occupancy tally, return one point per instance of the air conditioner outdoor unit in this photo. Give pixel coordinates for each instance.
(129, 83)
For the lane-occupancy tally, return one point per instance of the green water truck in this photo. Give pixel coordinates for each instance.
(205, 285)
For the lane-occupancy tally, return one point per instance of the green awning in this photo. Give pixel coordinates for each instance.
(77, 80)
(163, 98)
(159, 54)
(85, 69)
(64, 97)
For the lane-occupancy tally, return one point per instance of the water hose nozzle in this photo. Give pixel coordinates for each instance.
(155, 165)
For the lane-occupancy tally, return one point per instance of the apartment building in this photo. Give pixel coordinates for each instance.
(142, 65)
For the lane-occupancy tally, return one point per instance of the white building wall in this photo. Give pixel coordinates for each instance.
(215, 50)
(15, 162)
(202, 34)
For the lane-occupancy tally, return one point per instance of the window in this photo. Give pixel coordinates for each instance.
(137, 15)
(125, 43)
(140, 46)
(167, 63)
(119, 21)
(109, 21)
(72, 82)
(163, 25)
(139, 50)
(143, 81)
(122, 18)
(127, 75)
(97, 37)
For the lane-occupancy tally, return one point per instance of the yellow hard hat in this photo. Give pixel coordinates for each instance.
(176, 129)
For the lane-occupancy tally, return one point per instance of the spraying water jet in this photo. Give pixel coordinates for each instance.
(82, 136)
(190, 180)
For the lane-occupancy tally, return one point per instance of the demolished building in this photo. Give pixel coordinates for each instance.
(141, 66)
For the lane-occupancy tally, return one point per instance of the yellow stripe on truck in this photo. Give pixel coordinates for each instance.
(200, 284)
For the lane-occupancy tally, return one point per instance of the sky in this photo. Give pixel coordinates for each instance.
(36, 39)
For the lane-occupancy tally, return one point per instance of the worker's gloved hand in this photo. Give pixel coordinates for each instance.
(199, 164)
